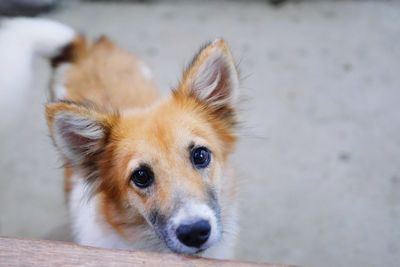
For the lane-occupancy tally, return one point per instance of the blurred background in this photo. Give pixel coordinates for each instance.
(319, 156)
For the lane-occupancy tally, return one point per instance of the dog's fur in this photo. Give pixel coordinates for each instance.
(106, 118)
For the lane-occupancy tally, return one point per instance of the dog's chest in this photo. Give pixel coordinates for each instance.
(88, 226)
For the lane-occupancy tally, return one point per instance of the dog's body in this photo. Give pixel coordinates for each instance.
(143, 172)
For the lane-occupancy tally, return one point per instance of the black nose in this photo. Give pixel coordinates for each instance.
(194, 235)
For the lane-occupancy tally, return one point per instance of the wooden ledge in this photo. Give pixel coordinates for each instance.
(23, 252)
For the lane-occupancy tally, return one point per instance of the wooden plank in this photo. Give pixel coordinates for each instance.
(23, 252)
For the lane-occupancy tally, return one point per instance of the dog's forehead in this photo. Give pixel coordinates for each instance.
(164, 127)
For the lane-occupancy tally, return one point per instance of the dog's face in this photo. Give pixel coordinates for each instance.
(160, 168)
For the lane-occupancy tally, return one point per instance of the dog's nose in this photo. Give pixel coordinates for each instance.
(194, 235)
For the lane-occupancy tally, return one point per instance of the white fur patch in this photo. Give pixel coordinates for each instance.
(88, 226)
(146, 71)
(42, 36)
(59, 90)
(20, 40)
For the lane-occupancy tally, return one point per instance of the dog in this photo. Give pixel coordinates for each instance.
(141, 172)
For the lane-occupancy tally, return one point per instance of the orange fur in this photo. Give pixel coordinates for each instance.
(107, 76)
(105, 84)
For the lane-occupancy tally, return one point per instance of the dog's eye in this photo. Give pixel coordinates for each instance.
(143, 177)
(200, 157)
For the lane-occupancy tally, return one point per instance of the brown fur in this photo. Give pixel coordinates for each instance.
(107, 76)
(110, 80)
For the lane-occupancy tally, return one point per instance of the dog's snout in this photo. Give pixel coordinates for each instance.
(194, 235)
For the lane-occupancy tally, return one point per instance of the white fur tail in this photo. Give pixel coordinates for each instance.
(21, 39)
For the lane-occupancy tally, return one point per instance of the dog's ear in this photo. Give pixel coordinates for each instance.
(212, 78)
(78, 132)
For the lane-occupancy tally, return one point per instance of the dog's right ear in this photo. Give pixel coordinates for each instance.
(78, 132)
(212, 77)
(212, 80)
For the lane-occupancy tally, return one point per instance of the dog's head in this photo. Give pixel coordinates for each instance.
(160, 168)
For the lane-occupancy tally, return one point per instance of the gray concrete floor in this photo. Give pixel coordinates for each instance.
(320, 150)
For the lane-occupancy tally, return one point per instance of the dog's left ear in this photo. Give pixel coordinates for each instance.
(212, 78)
